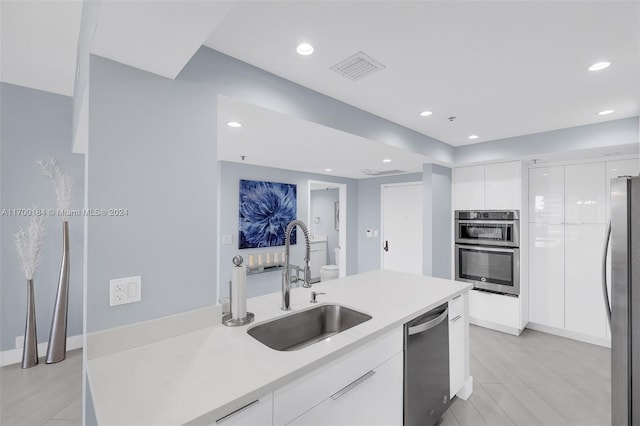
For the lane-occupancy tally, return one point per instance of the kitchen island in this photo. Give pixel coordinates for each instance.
(199, 377)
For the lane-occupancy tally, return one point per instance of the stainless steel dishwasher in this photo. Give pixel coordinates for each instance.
(426, 368)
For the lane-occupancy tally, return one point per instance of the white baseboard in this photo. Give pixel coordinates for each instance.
(569, 334)
(495, 326)
(14, 356)
(467, 389)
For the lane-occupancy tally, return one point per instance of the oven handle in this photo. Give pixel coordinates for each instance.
(488, 248)
(500, 222)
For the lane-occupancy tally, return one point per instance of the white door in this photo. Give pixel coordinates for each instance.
(402, 228)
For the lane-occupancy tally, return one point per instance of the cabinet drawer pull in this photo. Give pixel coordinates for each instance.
(352, 385)
(233, 413)
(456, 318)
(457, 297)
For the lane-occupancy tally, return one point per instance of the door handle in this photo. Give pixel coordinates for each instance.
(605, 291)
(386, 246)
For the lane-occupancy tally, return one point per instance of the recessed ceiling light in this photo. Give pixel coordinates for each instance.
(234, 124)
(386, 160)
(605, 112)
(327, 170)
(599, 66)
(425, 113)
(304, 49)
(473, 137)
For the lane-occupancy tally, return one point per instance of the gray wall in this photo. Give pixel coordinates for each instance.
(369, 212)
(323, 206)
(36, 125)
(607, 134)
(230, 175)
(152, 151)
(437, 221)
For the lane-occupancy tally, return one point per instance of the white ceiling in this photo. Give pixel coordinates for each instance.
(40, 44)
(503, 68)
(155, 36)
(271, 139)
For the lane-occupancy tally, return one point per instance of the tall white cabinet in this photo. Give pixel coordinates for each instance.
(494, 187)
(568, 209)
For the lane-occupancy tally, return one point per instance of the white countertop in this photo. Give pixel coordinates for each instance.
(202, 375)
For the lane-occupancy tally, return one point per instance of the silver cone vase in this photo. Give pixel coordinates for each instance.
(57, 349)
(30, 345)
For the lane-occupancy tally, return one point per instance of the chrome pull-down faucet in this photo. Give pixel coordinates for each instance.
(286, 274)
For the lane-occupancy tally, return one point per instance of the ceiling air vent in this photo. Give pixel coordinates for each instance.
(370, 172)
(357, 66)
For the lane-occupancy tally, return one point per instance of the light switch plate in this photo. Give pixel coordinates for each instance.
(375, 233)
(369, 233)
(19, 342)
(227, 239)
(125, 290)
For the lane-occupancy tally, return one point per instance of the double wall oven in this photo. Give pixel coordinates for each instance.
(487, 249)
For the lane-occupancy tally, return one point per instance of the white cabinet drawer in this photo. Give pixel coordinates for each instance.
(301, 395)
(257, 413)
(456, 306)
(375, 399)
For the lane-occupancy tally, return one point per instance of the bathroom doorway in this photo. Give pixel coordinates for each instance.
(328, 219)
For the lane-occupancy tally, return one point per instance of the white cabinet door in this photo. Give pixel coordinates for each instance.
(619, 168)
(546, 274)
(584, 186)
(456, 353)
(502, 186)
(468, 188)
(257, 413)
(374, 400)
(584, 303)
(546, 195)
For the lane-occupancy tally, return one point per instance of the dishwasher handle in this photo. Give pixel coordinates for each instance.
(420, 328)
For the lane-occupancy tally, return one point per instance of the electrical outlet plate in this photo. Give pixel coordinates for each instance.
(19, 342)
(125, 290)
(227, 239)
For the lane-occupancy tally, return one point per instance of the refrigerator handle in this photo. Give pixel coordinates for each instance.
(605, 290)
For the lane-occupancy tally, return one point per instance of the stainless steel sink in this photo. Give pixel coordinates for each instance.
(305, 328)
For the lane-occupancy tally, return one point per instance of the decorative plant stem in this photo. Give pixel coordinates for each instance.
(28, 244)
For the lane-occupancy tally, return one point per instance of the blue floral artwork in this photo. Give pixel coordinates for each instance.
(266, 208)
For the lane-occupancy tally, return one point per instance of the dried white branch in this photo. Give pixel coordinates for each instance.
(29, 242)
(62, 183)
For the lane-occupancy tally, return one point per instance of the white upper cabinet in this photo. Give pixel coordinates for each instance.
(620, 168)
(468, 193)
(585, 193)
(487, 187)
(502, 186)
(546, 195)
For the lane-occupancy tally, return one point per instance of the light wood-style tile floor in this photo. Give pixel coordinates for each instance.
(42, 395)
(534, 379)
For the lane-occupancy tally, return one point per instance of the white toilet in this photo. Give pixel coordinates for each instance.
(331, 272)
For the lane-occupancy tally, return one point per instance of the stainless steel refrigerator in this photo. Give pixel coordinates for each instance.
(624, 310)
